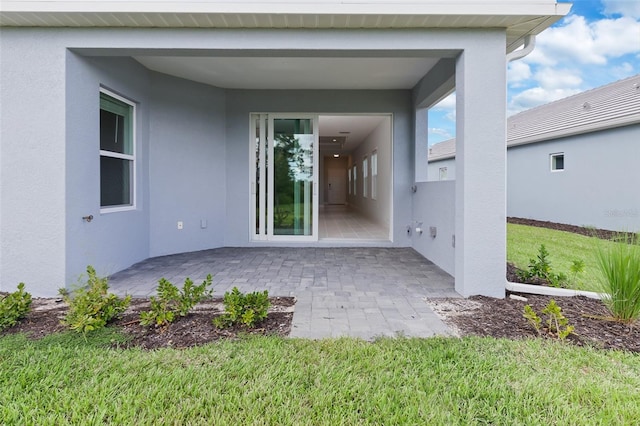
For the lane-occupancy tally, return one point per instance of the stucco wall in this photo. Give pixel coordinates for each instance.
(434, 205)
(597, 188)
(32, 162)
(433, 169)
(115, 240)
(240, 103)
(187, 165)
(377, 210)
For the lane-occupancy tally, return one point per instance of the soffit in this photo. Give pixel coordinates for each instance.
(294, 72)
(519, 18)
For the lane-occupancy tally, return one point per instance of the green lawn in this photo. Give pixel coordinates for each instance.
(64, 379)
(524, 241)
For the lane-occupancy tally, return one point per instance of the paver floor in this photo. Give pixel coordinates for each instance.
(357, 292)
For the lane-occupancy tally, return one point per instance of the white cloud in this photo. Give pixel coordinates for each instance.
(586, 43)
(629, 8)
(518, 72)
(623, 70)
(537, 96)
(440, 132)
(551, 78)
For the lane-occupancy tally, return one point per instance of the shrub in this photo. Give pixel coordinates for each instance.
(14, 307)
(619, 267)
(540, 270)
(91, 307)
(172, 301)
(557, 324)
(247, 309)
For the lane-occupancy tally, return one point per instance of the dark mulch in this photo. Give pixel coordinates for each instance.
(504, 318)
(604, 234)
(192, 330)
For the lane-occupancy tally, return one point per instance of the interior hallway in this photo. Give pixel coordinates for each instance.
(343, 222)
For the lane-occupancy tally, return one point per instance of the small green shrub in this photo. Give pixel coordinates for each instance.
(91, 307)
(172, 301)
(14, 307)
(557, 324)
(540, 271)
(247, 309)
(619, 266)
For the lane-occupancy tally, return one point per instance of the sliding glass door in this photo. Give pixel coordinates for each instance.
(284, 177)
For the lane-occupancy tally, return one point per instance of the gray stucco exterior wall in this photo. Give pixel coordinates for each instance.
(111, 241)
(192, 146)
(240, 103)
(187, 166)
(598, 187)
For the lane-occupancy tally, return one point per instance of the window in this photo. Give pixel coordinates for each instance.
(349, 175)
(442, 173)
(557, 162)
(117, 151)
(374, 175)
(365, 176)
(355, 180)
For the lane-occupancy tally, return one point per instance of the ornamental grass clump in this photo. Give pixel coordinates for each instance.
(619, 267)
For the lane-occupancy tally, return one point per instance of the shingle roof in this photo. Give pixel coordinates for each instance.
(442, 150)
(613, 105)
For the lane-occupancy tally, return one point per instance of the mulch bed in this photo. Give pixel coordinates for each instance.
(604, 234)
(503, 318)
(192, 330)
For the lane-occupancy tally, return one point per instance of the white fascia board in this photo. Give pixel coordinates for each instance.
(333, 7)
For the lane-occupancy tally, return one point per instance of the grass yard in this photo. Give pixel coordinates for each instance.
(64, 379)
(524, 241)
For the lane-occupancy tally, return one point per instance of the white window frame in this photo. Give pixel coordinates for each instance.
(355, 180)
(374, 174)
(131, 157)
(552, 158)
(365, 177)
(442, 173)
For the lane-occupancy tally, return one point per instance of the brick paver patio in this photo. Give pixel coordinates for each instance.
(358, 292)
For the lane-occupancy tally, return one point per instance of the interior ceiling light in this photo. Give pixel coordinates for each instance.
(336, 155)
(344, 133)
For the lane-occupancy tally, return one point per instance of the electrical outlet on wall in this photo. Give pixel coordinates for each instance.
(180, 224)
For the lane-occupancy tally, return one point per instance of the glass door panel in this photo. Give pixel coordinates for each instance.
(283, 177)
(293, 176)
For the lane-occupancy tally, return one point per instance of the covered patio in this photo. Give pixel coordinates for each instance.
(358, 292)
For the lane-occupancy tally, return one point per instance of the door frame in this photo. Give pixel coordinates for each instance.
(265, 228)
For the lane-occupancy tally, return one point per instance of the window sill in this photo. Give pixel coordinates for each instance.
(116, 209)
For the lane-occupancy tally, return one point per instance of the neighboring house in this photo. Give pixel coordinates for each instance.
(137, 129)
(575, 160)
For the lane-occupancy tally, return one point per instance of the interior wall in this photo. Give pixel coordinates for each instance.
(115, 240)
(187, 167)
(377, 210)
(330, 163)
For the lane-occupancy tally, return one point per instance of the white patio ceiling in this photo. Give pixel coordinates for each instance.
(294, 72)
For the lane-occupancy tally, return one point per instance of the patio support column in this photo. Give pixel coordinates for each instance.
(480, 230)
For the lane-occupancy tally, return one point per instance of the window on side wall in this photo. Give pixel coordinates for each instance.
(365, 177)
(117, 152)
(355, 180)
(374, 175)
(442, 173)
(557, 162)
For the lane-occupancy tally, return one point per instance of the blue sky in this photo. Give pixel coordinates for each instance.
(597, 43)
